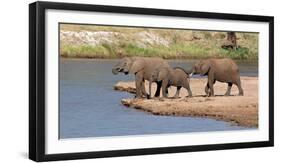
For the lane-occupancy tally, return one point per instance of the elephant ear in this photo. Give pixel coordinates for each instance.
(204, 68)
(137, 66)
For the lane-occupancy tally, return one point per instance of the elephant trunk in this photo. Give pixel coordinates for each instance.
(115, 71)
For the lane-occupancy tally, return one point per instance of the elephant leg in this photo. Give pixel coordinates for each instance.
(207, 89)
(168, 86)
(138, 89)
(227, 93)
(143, 91)
(149, 89)
(164, 88)
(138, 86)
(211, 82)
(241, 92)
(178, 92)
(187, 87)
(157, 93)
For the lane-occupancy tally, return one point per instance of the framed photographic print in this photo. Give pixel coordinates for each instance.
(118, 81)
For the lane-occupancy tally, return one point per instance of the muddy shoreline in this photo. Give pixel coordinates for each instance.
(239, 110)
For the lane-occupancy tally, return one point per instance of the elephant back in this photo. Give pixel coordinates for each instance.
(151, 64)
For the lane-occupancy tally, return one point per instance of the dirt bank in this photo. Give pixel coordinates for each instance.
(240, 110)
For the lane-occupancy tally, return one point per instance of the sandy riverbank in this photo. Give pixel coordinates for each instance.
(240, 110)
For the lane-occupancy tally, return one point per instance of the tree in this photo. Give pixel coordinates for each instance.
(231, 41)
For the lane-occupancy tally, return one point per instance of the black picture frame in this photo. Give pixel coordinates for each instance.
(37, 80)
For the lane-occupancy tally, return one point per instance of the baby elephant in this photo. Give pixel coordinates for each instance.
(177, 77)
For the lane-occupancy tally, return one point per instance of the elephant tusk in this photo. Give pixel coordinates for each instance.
(190, 75)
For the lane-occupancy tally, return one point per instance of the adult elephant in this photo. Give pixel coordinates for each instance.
(142, 67)
(223, 70)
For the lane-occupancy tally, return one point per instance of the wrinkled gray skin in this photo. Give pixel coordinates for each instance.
(177, 77)
(142, 67)
(222, 70)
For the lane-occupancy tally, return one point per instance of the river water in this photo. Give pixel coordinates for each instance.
(89, 107)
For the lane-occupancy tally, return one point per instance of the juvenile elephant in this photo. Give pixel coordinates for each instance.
(223, 70)
(142, 67)
(177, 77)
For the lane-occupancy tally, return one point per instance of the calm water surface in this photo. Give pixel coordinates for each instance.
(89, 107)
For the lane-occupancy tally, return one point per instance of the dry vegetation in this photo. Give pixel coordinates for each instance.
(89, 41)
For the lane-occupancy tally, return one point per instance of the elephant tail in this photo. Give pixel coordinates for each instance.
(180, 68)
